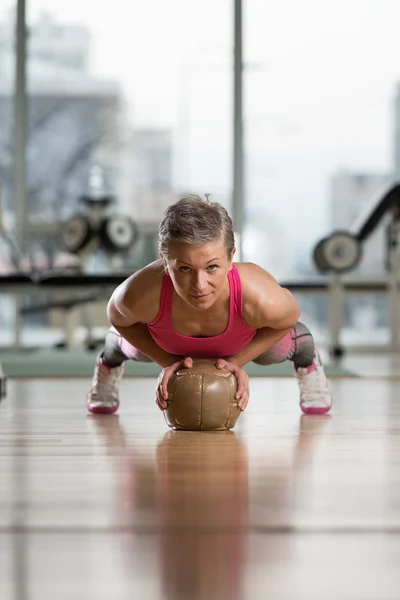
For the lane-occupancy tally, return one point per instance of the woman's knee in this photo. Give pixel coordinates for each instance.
(297, 346)
(117, 347)
(303, 355)
(280, 352)
(132, 353)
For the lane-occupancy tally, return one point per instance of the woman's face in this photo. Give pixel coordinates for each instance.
(199, 273)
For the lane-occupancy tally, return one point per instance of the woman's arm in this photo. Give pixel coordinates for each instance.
(267, 307)
(139, 336)
(264, 339)
(133, 304)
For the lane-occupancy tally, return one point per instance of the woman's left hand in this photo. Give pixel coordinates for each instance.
(243, 391)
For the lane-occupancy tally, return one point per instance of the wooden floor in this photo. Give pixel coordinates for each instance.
(121, 508)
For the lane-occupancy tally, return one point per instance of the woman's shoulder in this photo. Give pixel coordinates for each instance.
(258, 287)
(251, 273)
(151, 273)
(141, 291)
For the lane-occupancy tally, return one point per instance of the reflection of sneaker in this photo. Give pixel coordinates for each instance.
(103, 397)
(315, 395)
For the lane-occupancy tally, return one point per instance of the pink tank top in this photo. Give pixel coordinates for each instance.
(236, 336)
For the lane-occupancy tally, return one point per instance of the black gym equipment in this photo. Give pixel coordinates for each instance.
(341, 252)
(118, 233)
(97, 227)
(76, 233)
(94, 228)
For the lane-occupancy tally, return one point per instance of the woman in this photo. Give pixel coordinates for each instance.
(195, 302)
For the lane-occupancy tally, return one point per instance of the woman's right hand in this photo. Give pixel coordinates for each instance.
(163, 378)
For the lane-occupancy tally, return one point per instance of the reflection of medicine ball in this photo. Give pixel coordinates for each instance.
(118, 233)
(76, 233)
(202, 398)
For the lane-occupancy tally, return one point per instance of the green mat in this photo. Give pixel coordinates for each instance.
(79, 363)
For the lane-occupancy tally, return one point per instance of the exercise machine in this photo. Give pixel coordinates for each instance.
(339, 253)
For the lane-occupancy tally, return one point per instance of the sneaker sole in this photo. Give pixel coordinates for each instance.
(103, 410)
(315, 410)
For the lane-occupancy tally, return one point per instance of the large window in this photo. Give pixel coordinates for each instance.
(7, 85)
(321, 107)
(142, 89)
(320, 122)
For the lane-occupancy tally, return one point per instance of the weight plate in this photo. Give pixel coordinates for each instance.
(118, 233)
(319, 257)
(76, 233)
(341, 251)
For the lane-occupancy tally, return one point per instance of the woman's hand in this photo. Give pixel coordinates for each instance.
(163, 378)
(243, 391)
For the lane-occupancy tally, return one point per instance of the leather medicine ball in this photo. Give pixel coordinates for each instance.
(202, 398)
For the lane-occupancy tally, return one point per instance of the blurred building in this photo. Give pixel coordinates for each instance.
(74, 119)
(67, 46)
(350, 195)
(153, 188)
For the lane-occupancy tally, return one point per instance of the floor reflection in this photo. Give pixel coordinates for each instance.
(203, 481)
(196, 501)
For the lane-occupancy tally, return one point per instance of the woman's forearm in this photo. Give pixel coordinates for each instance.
(139, 336)
(263, 341)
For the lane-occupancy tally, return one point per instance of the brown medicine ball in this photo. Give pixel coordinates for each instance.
(202, 398)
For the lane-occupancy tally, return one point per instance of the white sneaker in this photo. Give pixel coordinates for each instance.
(103, 397)
(315, 395)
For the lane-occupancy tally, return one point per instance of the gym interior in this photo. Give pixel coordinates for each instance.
(286, 115)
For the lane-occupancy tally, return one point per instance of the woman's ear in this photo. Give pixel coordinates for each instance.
(165, 263)
(231, 259)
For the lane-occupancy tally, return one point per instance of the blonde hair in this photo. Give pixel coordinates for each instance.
(195, 221)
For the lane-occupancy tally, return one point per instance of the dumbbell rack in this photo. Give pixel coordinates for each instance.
(95, 229)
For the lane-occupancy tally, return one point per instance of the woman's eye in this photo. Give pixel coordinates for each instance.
(211, 269)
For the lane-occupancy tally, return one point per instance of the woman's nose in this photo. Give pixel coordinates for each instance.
(200, 281)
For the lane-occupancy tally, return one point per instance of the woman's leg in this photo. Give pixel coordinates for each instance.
(298, 347)
(103, 397)
(117, 351)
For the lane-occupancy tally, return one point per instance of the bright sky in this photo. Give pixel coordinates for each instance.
(319, 93)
